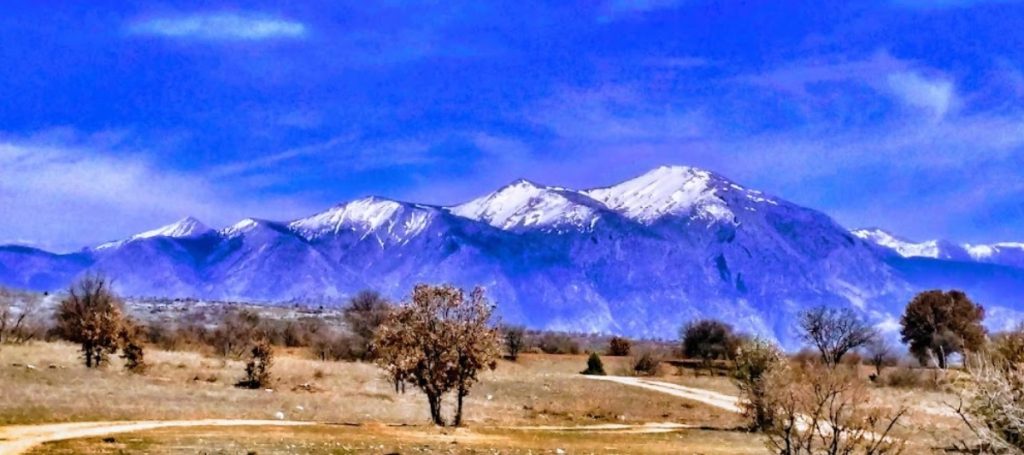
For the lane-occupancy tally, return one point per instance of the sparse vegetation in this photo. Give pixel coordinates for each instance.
(938, 324)
(880, 354)
(756, 359)
(646, 364)
(992, 405)
(820, 409)
(834, 332)
(19, 316)
(619, 346)
(438, 342)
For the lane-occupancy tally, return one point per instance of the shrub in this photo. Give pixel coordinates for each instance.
(363, 315)
(257, 369)
(132, 352)
(594, 365)
(514, 340)
(821, 409)
(993, 405)
(646, 364)
(708, 340)
(1008, 346)
(755, 360)
(558, 343)
(619, 346)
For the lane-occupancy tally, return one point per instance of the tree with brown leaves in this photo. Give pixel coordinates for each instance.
(439, 342)
(92, 316)
(937, 324)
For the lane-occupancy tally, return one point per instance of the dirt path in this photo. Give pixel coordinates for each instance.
(19, 439)
(719, 400)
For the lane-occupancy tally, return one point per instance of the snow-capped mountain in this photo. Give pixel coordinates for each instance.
(524, 205)
(638, 258)
(1003, 253)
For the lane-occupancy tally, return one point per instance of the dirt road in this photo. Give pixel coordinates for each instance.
(719, 400)
(19, 439)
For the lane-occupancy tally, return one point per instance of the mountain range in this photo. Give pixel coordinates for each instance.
(639, 258)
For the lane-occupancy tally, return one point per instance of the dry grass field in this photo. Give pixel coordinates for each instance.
(361, 413)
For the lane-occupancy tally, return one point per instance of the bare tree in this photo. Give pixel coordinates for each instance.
(879, 353)
(92, 316)
(515, 339)
(834, 332)
(937, 324)
(821, 410)
(18, 317)
(236, 332)
(439, 341)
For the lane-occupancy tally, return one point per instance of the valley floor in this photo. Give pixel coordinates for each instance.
(537, 405)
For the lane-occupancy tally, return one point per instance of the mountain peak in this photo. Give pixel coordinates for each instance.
(187, 227)
(525, 204)
(668, 190)
(365, 215)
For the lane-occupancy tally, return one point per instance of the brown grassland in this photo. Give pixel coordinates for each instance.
(359, 411)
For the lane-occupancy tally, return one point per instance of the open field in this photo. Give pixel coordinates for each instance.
(536, 405)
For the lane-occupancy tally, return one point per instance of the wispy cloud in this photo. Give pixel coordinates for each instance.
(57, 193)
(220, 26)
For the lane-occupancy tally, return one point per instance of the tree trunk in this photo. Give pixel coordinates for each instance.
(458, 406)
(435, 409)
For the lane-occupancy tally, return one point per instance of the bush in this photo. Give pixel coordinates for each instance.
(363, 315)
(131, 348)
(756, 359)
(514, 340)
(821, 409)
(257, 369)
(646, 364)
(993, 405)
(709, 340)
(594, 365)
(558, 343)
(619, 346)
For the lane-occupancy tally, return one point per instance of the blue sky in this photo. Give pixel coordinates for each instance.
(120, 117)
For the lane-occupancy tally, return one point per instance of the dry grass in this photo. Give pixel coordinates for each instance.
(379, 439)
(539, 389)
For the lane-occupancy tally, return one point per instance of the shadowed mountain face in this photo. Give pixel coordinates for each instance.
(638, 258)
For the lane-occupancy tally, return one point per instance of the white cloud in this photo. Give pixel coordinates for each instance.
(220, 27)
(66, 196)
(934, 95)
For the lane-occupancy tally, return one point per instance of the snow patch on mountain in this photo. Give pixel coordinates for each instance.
(524, 204)
(903, 247)
(675, 191)
(983, 252)
(371, 215)
(184, 228)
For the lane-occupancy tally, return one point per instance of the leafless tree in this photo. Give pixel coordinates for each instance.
(18, 317)
(834, 332)
(822, 410)
(439, 342)
(879, 353)
(992, 405)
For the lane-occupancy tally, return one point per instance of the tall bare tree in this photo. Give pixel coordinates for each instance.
(515, 339)
(834, 332)
(18, 317)
(439, 342)
(92, 316)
